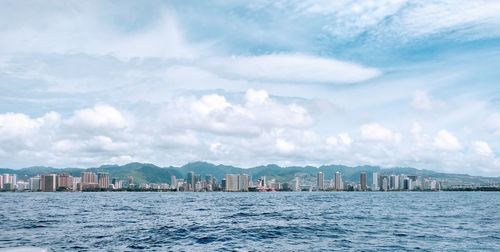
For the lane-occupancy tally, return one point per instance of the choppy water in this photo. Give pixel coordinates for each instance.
(114, 221)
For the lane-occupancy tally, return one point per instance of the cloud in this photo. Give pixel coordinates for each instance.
(215, 114)
(342, 139)
(284, 146)
(100, 117)
(445, 140)
(375, 131)
(291, 68)
(421, 100)
(482, 148)
(76, 27)
(494, 123)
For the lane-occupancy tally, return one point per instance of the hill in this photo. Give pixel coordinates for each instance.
(151, 173)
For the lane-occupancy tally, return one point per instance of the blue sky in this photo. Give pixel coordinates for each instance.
(389, 83)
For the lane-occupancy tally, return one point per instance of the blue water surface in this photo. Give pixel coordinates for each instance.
(322, 221)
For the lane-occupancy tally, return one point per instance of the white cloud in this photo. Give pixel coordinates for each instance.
(14, 125)
(375, 131)
(447, 141)
(291, 68)
(99, 117)
(423, 101)
(482, 148)
(342, 139)
(256, 97)
(284, 146)
(494, 122)
(86, 28)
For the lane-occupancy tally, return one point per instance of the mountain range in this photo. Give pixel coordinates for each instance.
(150, 173)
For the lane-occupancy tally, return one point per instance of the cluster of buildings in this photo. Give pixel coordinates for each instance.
(58, 182)
(100, 181)
(380, 182)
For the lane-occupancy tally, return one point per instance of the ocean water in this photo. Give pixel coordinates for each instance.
(322, 221)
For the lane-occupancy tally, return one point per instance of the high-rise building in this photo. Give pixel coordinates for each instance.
(103, 180)
(49, 182)
(173, 182)
(35, 183)
(375, 184)
(401, 181)
(1, 182)
(231, 182)
(339, 184)
(64, 181)
(385, 183)
(191, 180)
(243, 182)
(237, 183)
(392, 182)
(320, 181)
(76, 181)
(131, 182)
(407, 184)
(262, 182)
(22, 185)
(89, 181)
(9, 182)
(363, 181)
(297, 184)
(117, 183)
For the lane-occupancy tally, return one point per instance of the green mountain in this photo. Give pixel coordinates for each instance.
(151, 173)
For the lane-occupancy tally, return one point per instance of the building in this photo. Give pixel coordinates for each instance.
(236, 183)
(339, 184)
(103, 180)
(392, 182)
(375, 180)
(231, 183)
(22, 185)
(173, 182)
(9, 182)
(35, 183)
(89, 181)
(385, 183)
(48, 183)
(407, 184)
(262, 182)
(363, 181)
(117, 184)
(64, 182)
(320, 181)
(76, 181)
(297, 184)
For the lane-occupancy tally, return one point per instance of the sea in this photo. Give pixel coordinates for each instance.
(274, 221)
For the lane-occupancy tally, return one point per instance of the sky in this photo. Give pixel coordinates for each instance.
(391, 83)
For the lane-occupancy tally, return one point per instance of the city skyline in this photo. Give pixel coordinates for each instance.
(389, 83)
(200, 177)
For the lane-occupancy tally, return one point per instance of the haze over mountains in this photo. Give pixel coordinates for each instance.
(150, 173)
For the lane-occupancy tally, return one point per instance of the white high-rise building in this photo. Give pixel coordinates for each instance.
(231, 182)
(375, 184)
(237, 182)
(396, 182)
(385, 184)
(320, 181)
(35, 183)
(339, 184)
(243, 182)
(173, 182)
(9, 181)
(297, 184)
